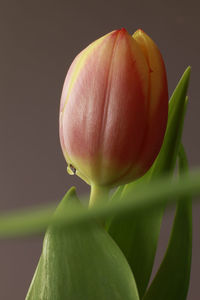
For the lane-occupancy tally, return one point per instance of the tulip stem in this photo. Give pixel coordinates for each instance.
(98, 195)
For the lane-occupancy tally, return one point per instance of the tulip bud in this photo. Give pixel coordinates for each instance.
(114, 107)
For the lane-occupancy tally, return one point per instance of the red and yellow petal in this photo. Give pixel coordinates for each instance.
(112, 113)
(158, 100)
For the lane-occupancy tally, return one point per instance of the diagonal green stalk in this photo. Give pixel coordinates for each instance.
(146, 198)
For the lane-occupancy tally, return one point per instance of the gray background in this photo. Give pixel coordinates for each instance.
(38, 41)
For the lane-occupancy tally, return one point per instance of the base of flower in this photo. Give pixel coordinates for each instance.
(98, 195)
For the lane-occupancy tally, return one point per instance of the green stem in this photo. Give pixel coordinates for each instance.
(98, 195)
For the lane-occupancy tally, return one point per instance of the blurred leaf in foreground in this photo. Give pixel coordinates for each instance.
(146, 198)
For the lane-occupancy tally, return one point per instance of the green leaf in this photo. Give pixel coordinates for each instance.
(138, 236)
(146, 199)
(81, 263)
(172, 279)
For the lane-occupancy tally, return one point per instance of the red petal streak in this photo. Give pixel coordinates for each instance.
(125, 113)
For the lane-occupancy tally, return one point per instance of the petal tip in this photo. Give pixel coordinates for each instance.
(139, 32)
(122, 31)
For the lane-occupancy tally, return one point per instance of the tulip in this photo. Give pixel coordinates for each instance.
(114, 108)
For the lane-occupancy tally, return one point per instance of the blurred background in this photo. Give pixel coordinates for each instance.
(39, 40)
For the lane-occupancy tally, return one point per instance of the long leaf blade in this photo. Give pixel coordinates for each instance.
(172, 279)
(138, 237)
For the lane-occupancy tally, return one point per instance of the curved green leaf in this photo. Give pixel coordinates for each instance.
(172, 279)
(138, 236)
(81, 263)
